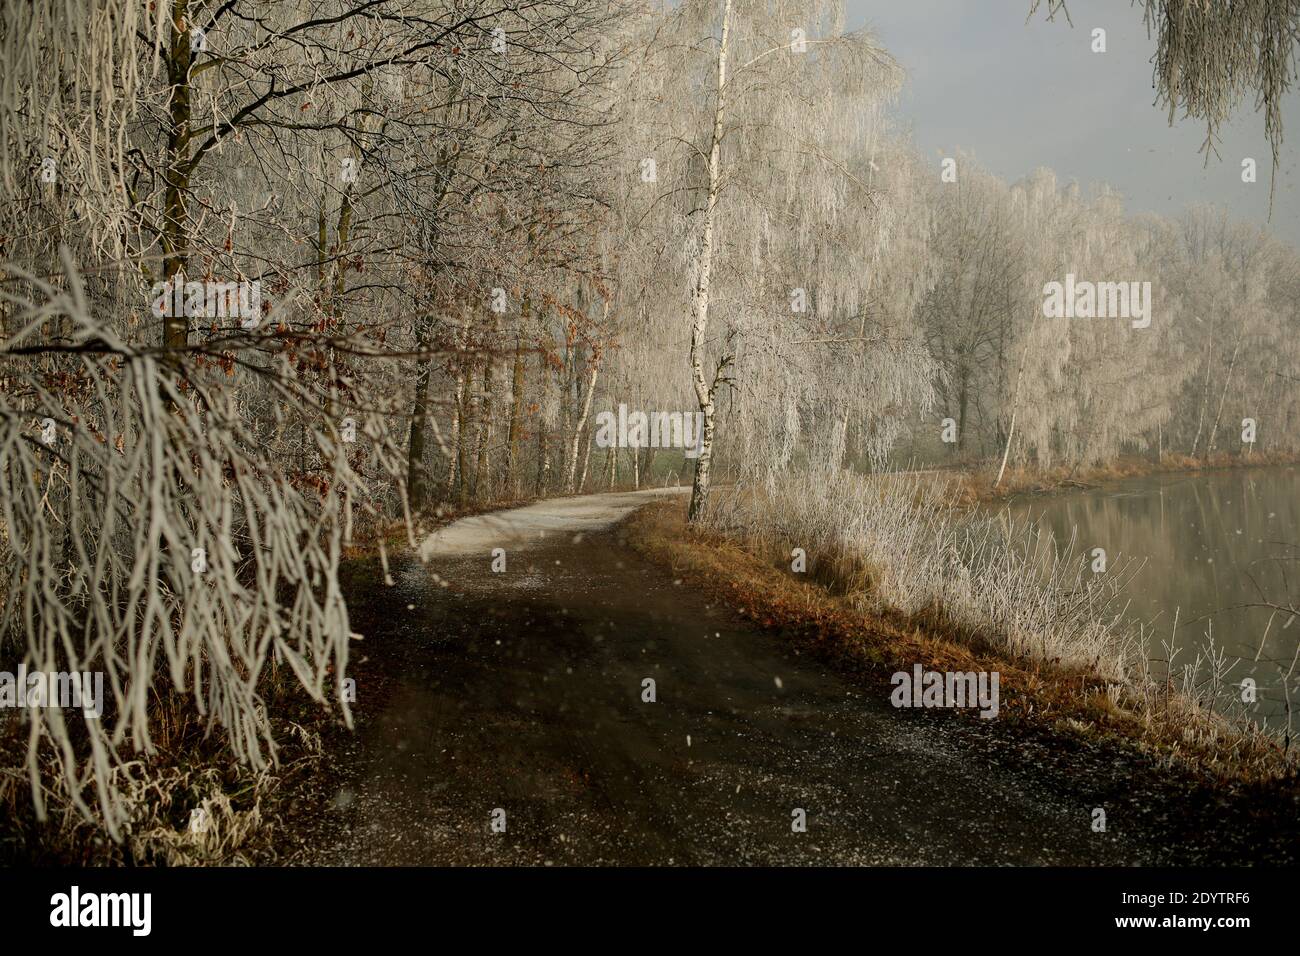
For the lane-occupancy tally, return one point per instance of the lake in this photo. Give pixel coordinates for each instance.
(1210, 543)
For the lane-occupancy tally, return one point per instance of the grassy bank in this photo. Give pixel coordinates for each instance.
(846, 609)
(975, 483)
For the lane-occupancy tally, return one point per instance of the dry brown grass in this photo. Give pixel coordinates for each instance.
(872, 644)
(975, 483)
(243, 815)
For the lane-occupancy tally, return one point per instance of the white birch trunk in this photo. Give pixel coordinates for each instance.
(700, 310)
(571, 468)
(1015, 402)
(1227, 380)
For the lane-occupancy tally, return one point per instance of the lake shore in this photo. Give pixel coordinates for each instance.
(974, 484)
(1067, 703)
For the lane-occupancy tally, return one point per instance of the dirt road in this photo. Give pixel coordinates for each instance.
(522, 691)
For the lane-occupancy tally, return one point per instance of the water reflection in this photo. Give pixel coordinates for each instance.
(1211, 544)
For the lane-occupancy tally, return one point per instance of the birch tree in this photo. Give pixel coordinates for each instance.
(781, 106)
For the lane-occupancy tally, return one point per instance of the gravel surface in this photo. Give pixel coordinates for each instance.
(523, 691)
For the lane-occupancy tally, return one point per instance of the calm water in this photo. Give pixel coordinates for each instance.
(1210, 544)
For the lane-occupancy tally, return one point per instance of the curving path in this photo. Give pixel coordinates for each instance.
(522, 691)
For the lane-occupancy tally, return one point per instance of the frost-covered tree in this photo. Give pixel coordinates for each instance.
(1212, 54)
(179, 487)
(760, 122)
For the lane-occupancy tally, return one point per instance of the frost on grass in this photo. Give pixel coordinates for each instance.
(896, 544)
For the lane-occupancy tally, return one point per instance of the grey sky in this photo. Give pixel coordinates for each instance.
(1019, 95)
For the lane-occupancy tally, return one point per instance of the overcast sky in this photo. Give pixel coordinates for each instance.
(1019, 95)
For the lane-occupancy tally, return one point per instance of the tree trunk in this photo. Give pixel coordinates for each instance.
(516, 424)
(343, 235)
(1205, 388)
(176, 175)
(453, 463)
(1227, 380)
(962, 402)
(417, 478)
(586, 461)
(517, 385)
(572, 467)
(543, 454)
(704, 390)
(1015, 400)
(464, 414)
(322, 252)
(482, 467)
